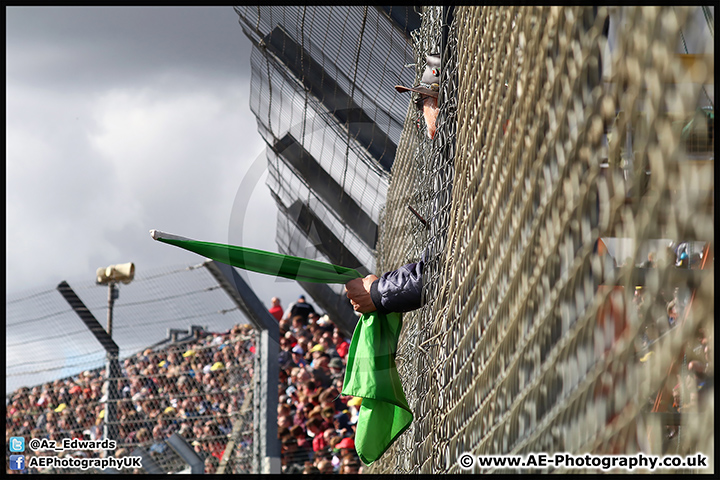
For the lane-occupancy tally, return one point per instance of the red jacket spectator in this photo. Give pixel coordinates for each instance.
(342, 349)
(341, 345)
(276, 310)
(319, 442)
(316, 426)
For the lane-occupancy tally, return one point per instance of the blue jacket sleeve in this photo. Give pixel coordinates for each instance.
(399, 290)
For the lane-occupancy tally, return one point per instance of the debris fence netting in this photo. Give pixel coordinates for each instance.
(568, 193)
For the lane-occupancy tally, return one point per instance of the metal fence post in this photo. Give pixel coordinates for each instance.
(105, 339)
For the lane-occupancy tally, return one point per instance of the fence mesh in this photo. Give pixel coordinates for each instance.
(195, 382)
(568, 193)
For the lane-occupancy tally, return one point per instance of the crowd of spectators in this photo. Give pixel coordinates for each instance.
(316, 424)
(666, 309)
(194, 388)
(692, 373)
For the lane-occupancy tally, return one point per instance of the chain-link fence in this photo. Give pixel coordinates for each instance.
(568, 195)
(198, 386)
(189, 391)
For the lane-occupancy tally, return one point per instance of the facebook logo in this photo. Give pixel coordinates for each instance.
(17, 462)
(17, 444)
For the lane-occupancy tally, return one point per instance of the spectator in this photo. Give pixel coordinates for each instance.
(304, 450)
(159, 444)
(302, 412)
(341, 344)
(311, 470)
(211, 465)
(302, 309)
(285, 324)
(328, 345)
(337, 369)
(650, 262)
(315, 353)
(292, 341)
(276, 309)
(309, 388)
(326, 467)
(341, 422)
(297, 325)
(287, 452)
(354, 409)
(298, 432)
(349, 465)
(316, 410)
(303, 377)
(346, 446)
(316, 427)
(297, 356)
(327, 398)
(400, 290)
(322, 455)
(322, 362)
(327, 414)
(320, 376)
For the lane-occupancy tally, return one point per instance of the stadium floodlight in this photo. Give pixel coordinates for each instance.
(122, 272)
(110, 276)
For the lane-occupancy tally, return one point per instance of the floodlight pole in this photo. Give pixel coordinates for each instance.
(112, 371)
(123, 272)
(112, 295)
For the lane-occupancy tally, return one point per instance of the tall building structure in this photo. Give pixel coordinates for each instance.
(322, 92)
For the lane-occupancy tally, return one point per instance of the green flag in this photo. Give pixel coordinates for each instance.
(269, 263)
(371, 372)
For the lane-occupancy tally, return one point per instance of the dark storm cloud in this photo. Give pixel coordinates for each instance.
(120, 120)
(86, 47)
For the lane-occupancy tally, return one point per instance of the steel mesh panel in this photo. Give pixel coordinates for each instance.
(532, 337)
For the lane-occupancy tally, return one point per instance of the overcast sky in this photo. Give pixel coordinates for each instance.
(121, 120)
